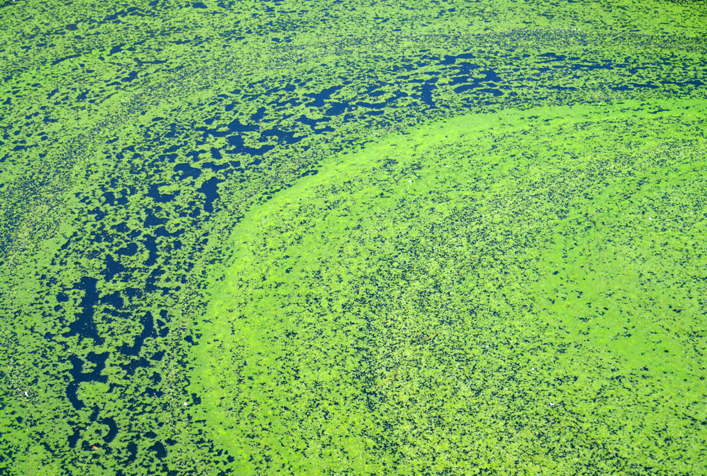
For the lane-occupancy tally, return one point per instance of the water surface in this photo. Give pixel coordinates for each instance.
(351, 238)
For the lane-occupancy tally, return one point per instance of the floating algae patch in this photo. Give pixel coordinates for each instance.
(136, 134)
(511, 292)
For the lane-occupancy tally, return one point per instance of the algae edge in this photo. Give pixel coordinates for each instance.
(409, 308)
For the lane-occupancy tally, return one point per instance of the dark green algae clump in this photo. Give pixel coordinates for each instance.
(351, 238)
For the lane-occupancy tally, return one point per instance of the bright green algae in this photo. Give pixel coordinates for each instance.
(512, 292)
(431, 297)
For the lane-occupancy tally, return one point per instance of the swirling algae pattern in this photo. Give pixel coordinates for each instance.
(352, 237)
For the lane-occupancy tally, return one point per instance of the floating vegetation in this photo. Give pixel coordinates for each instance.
(338, 238)
(471, 301)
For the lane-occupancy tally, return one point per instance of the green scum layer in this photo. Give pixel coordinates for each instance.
(515, 292)
(429, 240)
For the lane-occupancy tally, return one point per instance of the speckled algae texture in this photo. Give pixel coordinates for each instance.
(353, 238)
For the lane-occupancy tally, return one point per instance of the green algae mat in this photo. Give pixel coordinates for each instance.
(353, 238)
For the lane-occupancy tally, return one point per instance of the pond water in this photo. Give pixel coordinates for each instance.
(337, 237)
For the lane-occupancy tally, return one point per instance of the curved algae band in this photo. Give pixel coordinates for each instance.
(458, 298)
